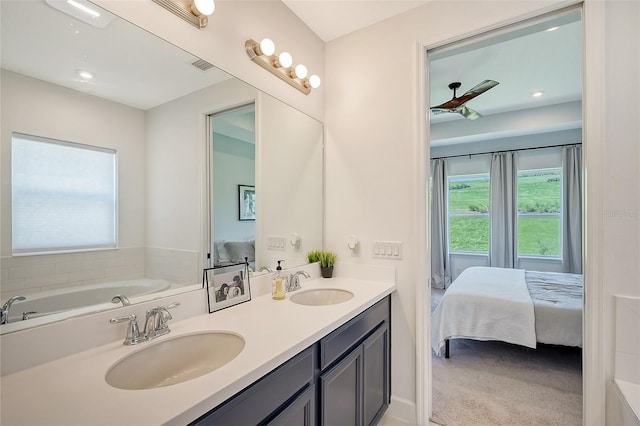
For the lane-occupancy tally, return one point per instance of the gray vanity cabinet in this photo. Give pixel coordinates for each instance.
(355, 389)
(344, 379)
(284, 393)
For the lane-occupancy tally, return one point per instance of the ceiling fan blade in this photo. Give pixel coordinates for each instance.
(468, 113)
(477, 90)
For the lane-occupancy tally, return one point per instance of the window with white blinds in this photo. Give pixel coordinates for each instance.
(63, 196)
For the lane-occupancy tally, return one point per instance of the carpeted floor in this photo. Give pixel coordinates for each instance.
(496, 383)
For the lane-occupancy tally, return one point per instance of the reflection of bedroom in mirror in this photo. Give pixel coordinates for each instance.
(506, 237)
(233, 166)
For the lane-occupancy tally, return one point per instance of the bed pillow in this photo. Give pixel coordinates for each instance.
(220, 254)
(238, 250)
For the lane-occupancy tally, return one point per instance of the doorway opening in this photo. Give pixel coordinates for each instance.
(505, 196)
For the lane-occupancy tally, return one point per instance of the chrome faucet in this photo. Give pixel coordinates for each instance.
(265, 268)
(133, 336)
(4, 312)
(121, 298)
(157, 321)
(294, 280)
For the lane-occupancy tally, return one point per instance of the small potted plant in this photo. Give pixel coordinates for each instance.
(327, 260)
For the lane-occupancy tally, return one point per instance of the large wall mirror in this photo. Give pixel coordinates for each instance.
(179, 128)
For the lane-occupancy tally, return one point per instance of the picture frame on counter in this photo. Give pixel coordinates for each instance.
(227, 286)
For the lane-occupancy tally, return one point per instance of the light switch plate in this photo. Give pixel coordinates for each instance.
(276, 243)
(387, 250)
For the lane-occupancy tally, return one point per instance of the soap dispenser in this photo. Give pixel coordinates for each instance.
(277, 290)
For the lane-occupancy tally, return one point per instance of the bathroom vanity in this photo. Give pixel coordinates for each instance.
(343, 379)
(300, 364)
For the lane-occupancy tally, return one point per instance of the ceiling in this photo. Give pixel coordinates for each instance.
(523, 60)
(331, 19)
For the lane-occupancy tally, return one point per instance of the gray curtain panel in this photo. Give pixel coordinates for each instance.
(440, 276)
(503, 210)
(572, 209)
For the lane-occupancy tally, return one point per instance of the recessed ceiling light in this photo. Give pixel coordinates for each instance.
(552, 29)
(84, 11)
(537, 94)
(86, 75)
(84, 8)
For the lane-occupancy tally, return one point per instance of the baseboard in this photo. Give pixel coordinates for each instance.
(402, 409)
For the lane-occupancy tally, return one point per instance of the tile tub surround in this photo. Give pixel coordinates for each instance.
(44, 272)
(627, 362)
(274, 331)
(627, 358)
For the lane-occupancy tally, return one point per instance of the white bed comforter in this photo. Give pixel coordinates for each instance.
(485, 304)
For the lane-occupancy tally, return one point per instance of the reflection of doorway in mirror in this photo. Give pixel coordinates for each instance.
(232, 185)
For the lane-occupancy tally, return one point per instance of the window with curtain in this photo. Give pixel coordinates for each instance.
(468, 213)
(539, 212)
(63, 195)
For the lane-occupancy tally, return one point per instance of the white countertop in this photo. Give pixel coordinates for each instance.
(72, 390)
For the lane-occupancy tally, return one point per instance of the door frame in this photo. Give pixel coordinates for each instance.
(594, 374)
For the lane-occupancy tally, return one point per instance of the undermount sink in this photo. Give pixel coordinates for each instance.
(174, 360)
(321, 297)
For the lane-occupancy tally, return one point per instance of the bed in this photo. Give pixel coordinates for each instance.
(511, 305)
(229, 254)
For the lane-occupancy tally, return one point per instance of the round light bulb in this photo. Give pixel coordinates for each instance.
(301, 71)
(314, 81)
(285, 59)
(267, 47)
(205, 7)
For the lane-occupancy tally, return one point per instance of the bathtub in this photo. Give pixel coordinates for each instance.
(626, 384)
(93, 297)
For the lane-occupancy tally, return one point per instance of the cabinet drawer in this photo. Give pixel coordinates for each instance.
(353, 333)
(254, 404)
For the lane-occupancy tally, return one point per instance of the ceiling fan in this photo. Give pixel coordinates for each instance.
(458, 104)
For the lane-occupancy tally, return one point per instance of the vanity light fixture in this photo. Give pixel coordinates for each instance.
(281, 65)
(195, 12)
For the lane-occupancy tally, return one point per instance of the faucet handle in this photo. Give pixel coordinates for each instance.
(164, 316)
(133, 336)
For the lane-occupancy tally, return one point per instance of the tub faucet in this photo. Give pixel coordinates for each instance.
(265, 268)
(121, 298)
(4, 312)
(157, 321)
(294, 280)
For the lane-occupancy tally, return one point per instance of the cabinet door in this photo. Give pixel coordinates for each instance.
(341, 392)
(376, 366)
(301, 412)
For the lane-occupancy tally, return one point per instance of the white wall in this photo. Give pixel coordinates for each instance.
(621, 192)
(234, 163)
(373, 162)
(222, 41)
(176, 140)
(289, 188)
